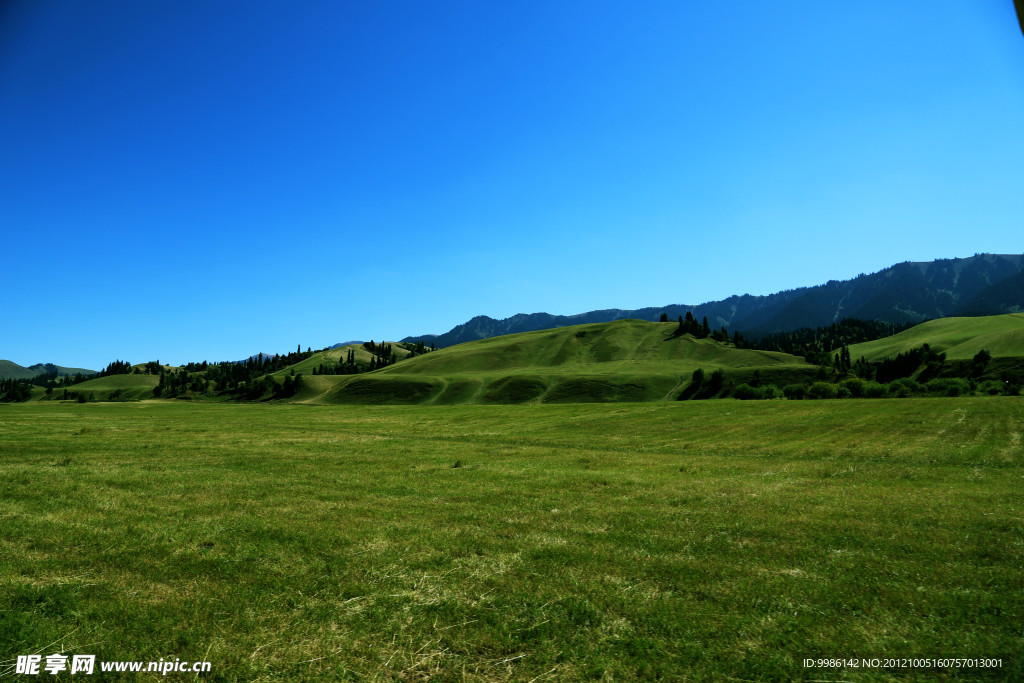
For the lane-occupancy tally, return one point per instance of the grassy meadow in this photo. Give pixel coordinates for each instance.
(719, 540)
(621, 361)
(958, 338)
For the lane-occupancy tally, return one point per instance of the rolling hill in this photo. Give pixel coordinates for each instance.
(620, 361)
(958, 338)
(985, 284)
(130, 387)
(11, 370)
(333, 356)
(625, 360)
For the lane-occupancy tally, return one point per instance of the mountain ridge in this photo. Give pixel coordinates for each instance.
(911, 291)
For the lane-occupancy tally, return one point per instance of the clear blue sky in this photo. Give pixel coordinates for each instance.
(205, 180)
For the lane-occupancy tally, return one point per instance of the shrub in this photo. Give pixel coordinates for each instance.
(991, 387)
(875, 390)
(745, 392)
(822, 390)
(853, 386)
(904, 387)
(795, 392)
(948, 386)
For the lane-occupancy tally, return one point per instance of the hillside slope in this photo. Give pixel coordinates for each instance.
(333, 356)
(958, 338)
(984, 284)
(129, 387)
(625, 360)
(11, 370)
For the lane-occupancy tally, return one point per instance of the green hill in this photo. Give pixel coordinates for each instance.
(958, 338)
(625, 360)
(332, 357)
(11, 370)
(115, 387)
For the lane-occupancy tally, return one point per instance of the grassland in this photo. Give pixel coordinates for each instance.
(114, 387)
(622, 361)
(626, 360)
(331, 357)
(689, 540)
(958, 338)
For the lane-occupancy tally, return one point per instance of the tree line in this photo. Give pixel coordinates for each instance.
(814, 344)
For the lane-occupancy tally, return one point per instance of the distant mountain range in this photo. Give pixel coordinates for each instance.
(348, 343)
(909, 292)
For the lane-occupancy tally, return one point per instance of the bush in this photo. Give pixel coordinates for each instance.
(991, 387)
(795, 392)
(875, 390)
(948, 386)
(853, 386)
(822, 390)
(843, 392)
(901, 388)
(745, 392)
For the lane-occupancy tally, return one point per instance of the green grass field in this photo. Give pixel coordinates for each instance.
(958, 338)
(626, 360)
(718, 540)
(332, 357)
(124, 387)
(622, 361)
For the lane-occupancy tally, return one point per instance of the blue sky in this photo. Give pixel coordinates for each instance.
(194, 180)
